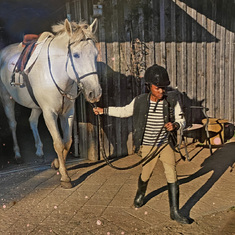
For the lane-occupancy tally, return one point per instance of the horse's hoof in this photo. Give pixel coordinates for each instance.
(19, 160)
(55, 164)
(40, 156)
(66, 185)
(40, 160)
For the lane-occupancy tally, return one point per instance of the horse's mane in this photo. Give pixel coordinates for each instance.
(80, 30)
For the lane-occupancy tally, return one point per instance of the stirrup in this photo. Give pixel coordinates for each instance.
(16, 84)
(13, 83)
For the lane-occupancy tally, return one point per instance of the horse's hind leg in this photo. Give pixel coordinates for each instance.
(51, 122)
(9, 108)
(33, 120)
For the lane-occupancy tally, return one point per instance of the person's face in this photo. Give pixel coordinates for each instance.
(157, 92)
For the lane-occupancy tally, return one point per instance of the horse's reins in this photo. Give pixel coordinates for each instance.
(151, 155)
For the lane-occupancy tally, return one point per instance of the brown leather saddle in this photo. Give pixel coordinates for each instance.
(29, 44)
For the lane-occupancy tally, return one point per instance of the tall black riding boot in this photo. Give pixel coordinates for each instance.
(173, 192)
(139, 198)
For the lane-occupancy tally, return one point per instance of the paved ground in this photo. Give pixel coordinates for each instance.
(101, 201)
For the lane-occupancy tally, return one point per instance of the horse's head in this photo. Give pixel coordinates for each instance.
(82, 54)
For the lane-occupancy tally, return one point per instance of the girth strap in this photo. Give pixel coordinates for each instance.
(29, 87)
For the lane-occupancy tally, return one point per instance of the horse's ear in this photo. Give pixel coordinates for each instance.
(68, 27)
(94, 26)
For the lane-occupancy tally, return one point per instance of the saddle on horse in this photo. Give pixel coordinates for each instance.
(30, 42)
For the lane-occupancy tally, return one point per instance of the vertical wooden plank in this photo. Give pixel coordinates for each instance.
(183, 47)
(222, 104)
(130, 95)
(217, 62)
(77, 10)
(162, 34)
(103, 76)
(211, 62)
(124, 92)
(193, 66)
(85, 10)
(198, 39)
(178, 14)
(150, 57)
(229, 99)
(231, 84)
(168, 39)
(198, 60)
(142, 47)
(189, 55)
(194, 52)
(204, 77)
(156, 27)
(110, 130)
(116, 75)
(226, 77)
(218, 48)
(173, 57)
(223, 42)
(189, 60)
(82, 127)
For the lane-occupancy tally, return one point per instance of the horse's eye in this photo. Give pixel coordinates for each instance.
(76, 55)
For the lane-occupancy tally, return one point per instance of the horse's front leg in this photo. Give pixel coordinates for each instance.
(33, 120)
(66, 122)
(51, 122)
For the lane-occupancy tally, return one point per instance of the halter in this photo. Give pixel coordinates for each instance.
(69, 56)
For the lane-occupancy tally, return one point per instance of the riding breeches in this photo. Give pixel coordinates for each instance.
(166, 156)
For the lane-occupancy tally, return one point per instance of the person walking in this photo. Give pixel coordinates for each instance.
(157, 115)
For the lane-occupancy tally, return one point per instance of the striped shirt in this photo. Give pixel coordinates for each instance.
(154, 124)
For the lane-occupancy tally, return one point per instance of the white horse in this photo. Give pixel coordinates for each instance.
(66, 62)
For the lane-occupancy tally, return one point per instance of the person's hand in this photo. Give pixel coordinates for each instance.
(98, 111)
(169, 126)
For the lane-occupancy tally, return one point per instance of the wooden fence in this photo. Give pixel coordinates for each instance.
(193, 40)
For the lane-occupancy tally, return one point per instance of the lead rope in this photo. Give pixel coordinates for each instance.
(151, 155)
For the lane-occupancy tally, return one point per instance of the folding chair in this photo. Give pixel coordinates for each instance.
(195, 131)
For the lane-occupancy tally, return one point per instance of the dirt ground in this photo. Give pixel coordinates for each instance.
(220, 223)
(209, 177)
(206, 195)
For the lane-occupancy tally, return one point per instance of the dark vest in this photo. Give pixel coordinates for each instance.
(140, 115)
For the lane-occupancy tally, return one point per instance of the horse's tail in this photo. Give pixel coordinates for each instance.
(2, 61)
(1, 55)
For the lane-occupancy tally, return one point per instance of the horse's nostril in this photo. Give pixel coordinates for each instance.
(90, 95)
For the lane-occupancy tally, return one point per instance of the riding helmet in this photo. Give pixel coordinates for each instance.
(157, 75)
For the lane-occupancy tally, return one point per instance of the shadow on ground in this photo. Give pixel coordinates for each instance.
(218, 163)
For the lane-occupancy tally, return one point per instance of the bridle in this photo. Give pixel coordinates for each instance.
(80, 88)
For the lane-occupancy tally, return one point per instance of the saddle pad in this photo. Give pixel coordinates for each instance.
(24, 56)
(35, 54)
